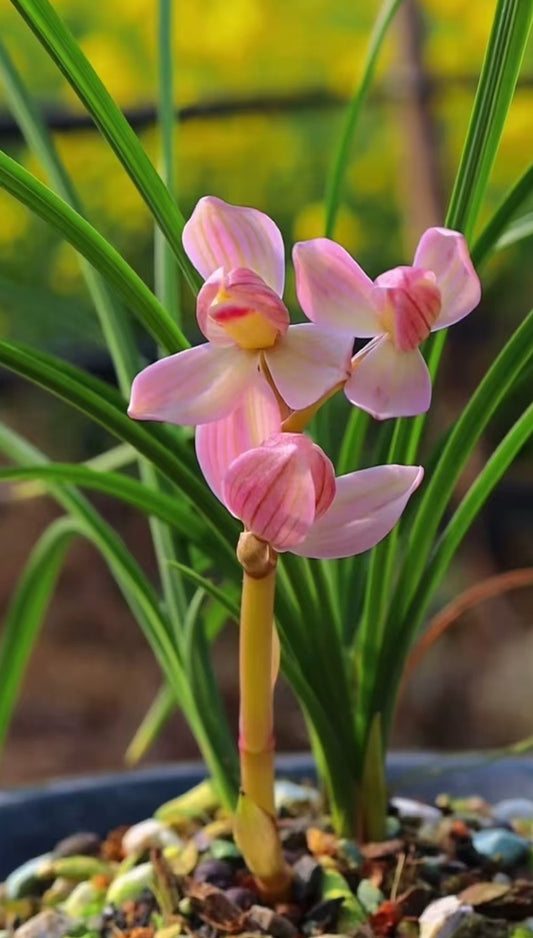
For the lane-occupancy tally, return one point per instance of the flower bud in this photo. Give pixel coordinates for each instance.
(280, 488)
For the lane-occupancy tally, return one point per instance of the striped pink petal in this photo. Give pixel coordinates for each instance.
(307, 362)
(446, 253)
(276, 488)
(195, 386)
(410, 302)
(389, 383)
(332, 288)
(366, 507)
(229, 236)
(218, 443)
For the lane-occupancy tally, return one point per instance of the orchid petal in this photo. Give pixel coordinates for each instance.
(229, 236)
(445, 252)
(205, 300)
(218, 443)
(195, 386)
(389, 383)
(271, 489)
(367, 505)
(333, 290)
(307, 362)
(410, 302)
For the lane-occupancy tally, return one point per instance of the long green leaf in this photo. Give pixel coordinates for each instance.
(337, 173)
(217, 747)
(26, 612)
(150, 502)
(497, 226)
(501, 66)
(115, 324)
(105, 406)
(462, 518)
(167, 282)
(155, 718)
(105, 259)
(227, 602)
(66, 53)
(492, 390)
(518, 231)
(499, 74)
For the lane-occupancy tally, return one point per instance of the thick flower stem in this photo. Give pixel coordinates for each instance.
(255, 827)
(256, 742)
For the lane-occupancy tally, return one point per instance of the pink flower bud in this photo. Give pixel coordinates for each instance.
(280, 488)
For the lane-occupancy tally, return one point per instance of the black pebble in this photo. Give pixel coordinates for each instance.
(217, 872)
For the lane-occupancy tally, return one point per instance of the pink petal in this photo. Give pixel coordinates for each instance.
(445, 252)
(366, 507)
(206, 297)
(271, 490)
(195, 386)
(389, 383)
(307, 362)
(332, 289)
(222, 235)
(410, 302)
(218, 443)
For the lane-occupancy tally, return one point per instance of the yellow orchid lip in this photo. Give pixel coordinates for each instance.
(248, 328)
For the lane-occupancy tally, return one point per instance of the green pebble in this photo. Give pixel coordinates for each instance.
(130, 885)
(369, 896)
(224, 850)
(24, 880)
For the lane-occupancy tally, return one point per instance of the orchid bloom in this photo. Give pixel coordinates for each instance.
(398, 311)
(283, 486)
(240, 254)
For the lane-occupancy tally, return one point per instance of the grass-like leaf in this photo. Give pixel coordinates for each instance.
(339, 166)
(58, 41)
(27, 610)
(105, 259)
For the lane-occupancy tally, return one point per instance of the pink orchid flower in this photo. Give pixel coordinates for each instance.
(283, 487)
(240, 254)
(398, 311)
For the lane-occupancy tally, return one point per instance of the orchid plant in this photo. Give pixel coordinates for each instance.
(332, 587)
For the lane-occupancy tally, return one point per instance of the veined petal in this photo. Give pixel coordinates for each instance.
(218, 443)
(307, 362)
(366, 507)
(229, 236)
(446, 253)
(333, 290)
(389, 383)
(238, 307)
(195, 386)
(271, 489)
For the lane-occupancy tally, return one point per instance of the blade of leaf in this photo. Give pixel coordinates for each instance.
(148, 501)
(143, 601)
(465, 513)
(166, 271)
(115, 325)
(26, 612)
(102, 404)
(155, 718)
(66, 53)
(497, 225)
(217, 594)
(105, 259)
(337, 173)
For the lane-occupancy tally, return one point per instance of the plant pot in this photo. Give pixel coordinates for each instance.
(32, 820)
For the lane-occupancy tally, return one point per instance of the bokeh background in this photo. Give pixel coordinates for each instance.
(261, 86)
